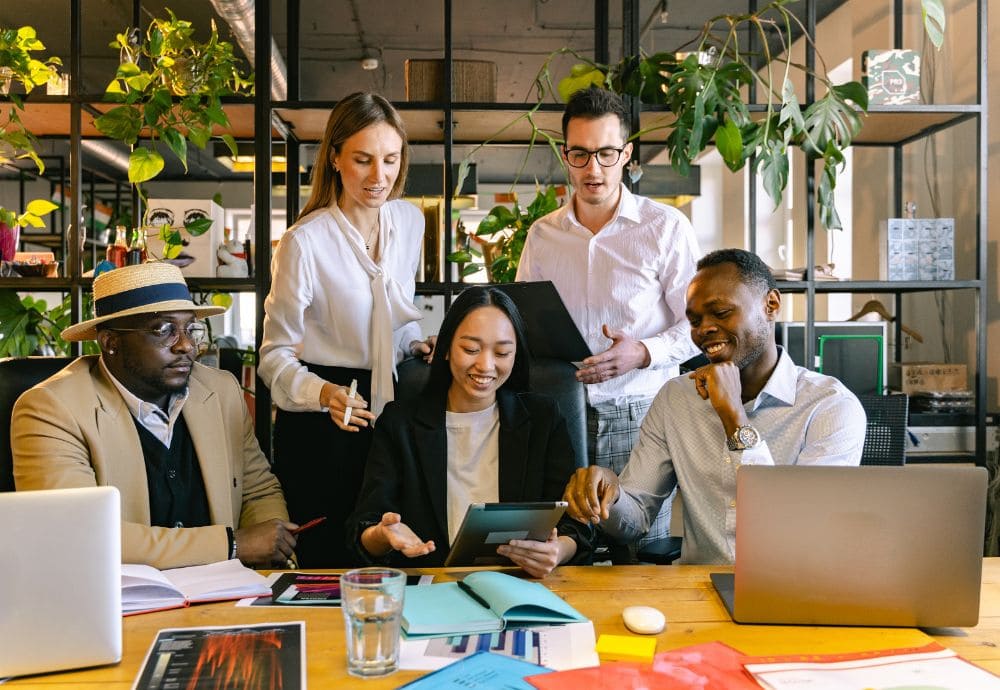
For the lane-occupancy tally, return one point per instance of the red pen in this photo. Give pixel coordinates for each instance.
(312, 523)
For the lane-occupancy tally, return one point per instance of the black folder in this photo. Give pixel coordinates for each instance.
(550, 329)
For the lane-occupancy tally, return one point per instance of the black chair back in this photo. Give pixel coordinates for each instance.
(553, 377)
(18, 374)
(885, 436)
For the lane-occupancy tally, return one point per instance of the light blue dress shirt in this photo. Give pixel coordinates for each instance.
(804, 418)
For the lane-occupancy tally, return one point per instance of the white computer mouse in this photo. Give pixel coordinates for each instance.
(644, 620)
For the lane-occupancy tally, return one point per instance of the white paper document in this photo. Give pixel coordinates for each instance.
(940, 670)
(559, 647)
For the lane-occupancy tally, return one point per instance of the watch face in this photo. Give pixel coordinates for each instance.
(748, 436)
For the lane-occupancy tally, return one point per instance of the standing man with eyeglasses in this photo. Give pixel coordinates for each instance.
(173, 436)
(621, 263)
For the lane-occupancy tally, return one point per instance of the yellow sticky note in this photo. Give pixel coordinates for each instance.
(626, 648)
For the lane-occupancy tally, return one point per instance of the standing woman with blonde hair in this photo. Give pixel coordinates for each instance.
(341, 310)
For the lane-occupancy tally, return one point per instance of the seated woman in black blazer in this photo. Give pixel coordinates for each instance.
(475, 435)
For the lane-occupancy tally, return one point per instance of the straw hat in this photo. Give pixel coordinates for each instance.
(139, 289)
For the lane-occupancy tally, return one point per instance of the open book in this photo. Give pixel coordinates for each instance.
(144, 588)
(485, 601)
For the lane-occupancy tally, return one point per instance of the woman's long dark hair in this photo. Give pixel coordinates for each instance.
(468, 301)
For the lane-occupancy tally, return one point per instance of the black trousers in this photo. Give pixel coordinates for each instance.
(320, 468)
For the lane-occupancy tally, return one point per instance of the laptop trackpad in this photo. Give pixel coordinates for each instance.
(725, 585)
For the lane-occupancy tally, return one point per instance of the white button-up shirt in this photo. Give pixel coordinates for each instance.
(632, 275)
(320, 306)
(803, 417)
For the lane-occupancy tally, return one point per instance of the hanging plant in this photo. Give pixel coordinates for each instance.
(17, 65)
(170, 88)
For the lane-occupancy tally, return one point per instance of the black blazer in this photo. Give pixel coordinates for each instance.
(407, 470)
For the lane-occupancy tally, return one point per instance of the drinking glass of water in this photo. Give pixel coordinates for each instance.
(372, 602)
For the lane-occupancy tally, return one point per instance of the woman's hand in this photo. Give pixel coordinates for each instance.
(335, 399)
(392, 534)
(424, 348)
(539, 558)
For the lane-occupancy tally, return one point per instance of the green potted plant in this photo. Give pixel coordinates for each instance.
(169, 89)
(506, 230)
(29, 327)
(704, 91)
(17, 64)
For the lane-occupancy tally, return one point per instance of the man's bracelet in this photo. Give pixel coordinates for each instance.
(232, 542)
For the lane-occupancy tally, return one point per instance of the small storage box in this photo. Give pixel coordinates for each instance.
(473, 81)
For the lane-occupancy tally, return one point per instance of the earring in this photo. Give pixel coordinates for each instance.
(111, 352)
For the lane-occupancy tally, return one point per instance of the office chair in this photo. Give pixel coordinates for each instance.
(553, 377)
(18, 374)
(885, 435)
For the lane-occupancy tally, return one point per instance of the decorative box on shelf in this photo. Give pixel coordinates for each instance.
(892, 77)
(918, 249)
(472, 81)
(932, 377)
(198, 258)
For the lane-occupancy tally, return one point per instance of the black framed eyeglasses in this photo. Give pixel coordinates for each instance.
(580, 158)
(167, 334)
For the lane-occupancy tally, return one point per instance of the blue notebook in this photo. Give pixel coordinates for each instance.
(489, 601)
(481, 670)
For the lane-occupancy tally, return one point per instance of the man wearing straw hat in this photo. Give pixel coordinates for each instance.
(173, 436)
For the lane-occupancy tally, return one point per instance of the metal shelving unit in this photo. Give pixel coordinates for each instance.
(448, 124)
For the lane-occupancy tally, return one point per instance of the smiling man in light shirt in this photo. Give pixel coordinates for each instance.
(621, 264)
(750, 405)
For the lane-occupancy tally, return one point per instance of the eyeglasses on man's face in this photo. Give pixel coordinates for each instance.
(168, 333)
(580, 158)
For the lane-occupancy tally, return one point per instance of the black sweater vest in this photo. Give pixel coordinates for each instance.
(177, 495)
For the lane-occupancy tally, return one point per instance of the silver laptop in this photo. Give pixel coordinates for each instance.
(881, 546)
(60, 580)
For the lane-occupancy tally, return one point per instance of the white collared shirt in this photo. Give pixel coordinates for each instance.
(320, 306)
(803, 417)
(157, 422)
(632, 275)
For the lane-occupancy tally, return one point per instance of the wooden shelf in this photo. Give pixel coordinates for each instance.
(50, 119)
(881, 286)
(221, 284)
(901, 124)
(474, 123)
(36, 284)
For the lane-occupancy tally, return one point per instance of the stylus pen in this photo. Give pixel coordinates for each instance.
(472, 593)
(309, 525)
(348, 410)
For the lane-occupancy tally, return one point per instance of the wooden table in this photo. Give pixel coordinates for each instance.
(693, 609)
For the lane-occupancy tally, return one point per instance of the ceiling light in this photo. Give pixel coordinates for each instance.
(245, 161)
(369, 63)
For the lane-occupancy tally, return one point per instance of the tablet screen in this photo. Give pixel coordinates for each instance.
(487, 525)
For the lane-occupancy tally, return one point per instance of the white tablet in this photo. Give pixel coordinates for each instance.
(488, 525)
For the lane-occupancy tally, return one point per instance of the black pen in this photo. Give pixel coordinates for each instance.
(472, 593)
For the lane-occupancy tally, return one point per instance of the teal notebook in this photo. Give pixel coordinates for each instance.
(446, 609)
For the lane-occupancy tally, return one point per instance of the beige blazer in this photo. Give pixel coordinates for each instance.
(74, 430)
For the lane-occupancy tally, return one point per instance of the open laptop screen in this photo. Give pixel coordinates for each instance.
(60, 586)
(882, 546)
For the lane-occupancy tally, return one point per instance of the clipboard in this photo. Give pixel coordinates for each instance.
(550, 329)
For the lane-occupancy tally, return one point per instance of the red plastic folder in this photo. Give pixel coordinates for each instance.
(708, 666)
